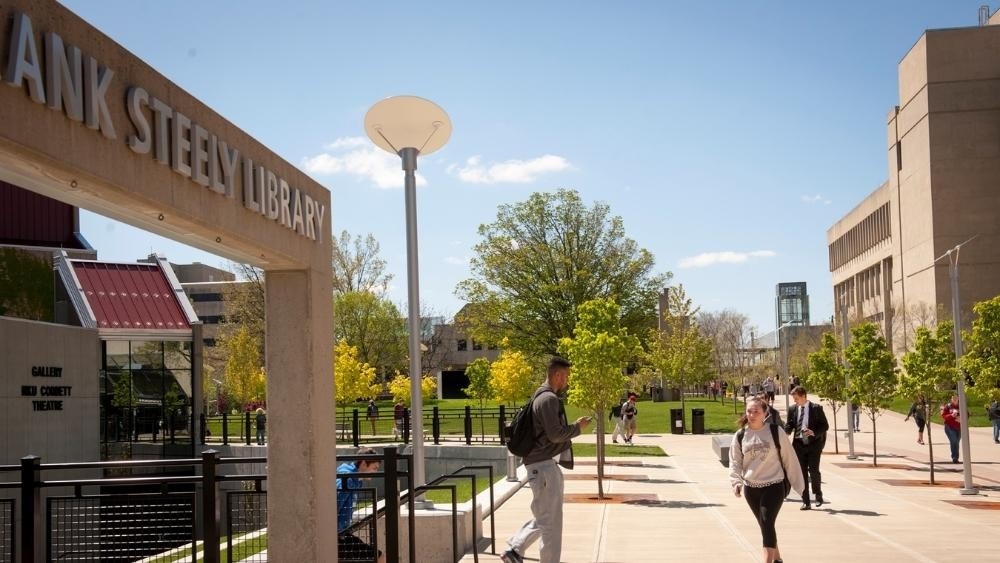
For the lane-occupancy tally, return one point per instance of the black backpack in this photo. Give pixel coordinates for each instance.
(520, 431)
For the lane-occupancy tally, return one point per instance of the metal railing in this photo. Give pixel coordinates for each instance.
(165, 510)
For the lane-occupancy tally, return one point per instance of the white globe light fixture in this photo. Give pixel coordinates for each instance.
(409, 126)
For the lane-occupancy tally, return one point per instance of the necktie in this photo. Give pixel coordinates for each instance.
(802, 416)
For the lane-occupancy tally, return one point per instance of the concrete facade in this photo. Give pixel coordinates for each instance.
(66, 427)
(86, 122)
(943, 149)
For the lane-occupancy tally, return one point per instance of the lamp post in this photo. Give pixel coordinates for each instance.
(846, 333)
(409, 126)
(967, 487)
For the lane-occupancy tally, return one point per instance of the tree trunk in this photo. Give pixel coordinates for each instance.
(874, 441)
(600, 453)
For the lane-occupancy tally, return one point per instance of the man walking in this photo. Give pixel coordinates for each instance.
(544, 476)
(616, 419)
(808, 423)
(952, 426)
(629, 416)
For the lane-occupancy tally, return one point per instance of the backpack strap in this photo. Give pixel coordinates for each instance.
(777, 444)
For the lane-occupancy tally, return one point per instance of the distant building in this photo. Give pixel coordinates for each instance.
(791, 304)
(943, 152)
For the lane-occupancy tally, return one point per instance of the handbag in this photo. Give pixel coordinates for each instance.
(777, 444)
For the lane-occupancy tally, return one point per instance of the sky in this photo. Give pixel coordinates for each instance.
(727, 135)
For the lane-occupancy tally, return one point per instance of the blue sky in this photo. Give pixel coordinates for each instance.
(728, 135)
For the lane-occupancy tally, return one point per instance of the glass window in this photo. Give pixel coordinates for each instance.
(461, 345)
(147, 354)
(177, 355)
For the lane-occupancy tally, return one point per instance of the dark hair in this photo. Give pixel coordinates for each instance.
(557, 363)
(366, 451)
(799, 391)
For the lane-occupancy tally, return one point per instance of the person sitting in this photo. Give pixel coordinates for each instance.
(349, 546)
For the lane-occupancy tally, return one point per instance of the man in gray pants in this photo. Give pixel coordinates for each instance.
(544, 475)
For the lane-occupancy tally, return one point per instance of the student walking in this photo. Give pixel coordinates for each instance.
(916, 412)
(260, 421)
(761, 460)
(952, 425)
(372, 414)
(615, 416)
(630, 416)
(808, 423)
(994, 413)
(545, 478)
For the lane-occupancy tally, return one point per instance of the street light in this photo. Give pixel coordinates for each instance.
(409, 126)
(956, 318)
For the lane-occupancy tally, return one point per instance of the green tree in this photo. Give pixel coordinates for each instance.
(599, 350)
(929, 373)
(679, 351)
(375, 327)
(479, 387)
(244, 369)
(26, 285)
(543, 258)
(982, 359)
(357, 266)
(353, 378)
(871, 367)
(512, 378)
(826, 378)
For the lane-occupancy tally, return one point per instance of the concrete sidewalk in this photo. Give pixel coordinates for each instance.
(683, 509)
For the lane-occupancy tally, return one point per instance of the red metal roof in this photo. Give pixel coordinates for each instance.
(130, 296)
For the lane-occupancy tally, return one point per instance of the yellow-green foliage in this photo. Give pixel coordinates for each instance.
(399, 387)
(353, 378)
(512, 378)
(245, 377)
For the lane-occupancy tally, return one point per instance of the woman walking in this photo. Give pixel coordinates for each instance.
(761, 460)
(917, 410)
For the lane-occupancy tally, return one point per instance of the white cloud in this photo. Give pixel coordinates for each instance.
(811, 199)
(707, 259)
(358, 157)
(508, 171)
(456, 260)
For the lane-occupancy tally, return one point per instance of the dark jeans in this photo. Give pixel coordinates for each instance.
(809, 455)
(765, 503)
(954, 437)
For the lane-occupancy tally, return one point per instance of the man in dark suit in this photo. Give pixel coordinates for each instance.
(807, 422)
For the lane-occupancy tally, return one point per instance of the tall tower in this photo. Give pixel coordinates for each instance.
(791, 304)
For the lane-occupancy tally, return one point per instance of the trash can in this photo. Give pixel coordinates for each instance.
(697, 421)
(675, 394)
(676, 421)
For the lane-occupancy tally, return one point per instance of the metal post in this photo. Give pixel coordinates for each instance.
(356, 428)
(209, 506)
(847, 384)
(32, 523)
(967, 487)
(225, 428)
(436, 425)
(391, 488)
(468, 425)
(409, 156)
(246, 425)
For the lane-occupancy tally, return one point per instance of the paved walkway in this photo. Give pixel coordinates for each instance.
(686, 511)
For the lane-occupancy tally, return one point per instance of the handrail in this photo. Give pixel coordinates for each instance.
(493, 529)
(410, 495)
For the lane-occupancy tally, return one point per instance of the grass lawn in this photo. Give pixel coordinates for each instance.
(617, 450)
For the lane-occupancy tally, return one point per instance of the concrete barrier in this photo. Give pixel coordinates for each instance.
(720, 444)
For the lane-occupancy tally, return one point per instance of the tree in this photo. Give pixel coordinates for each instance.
(26, 285)
(871, 367)
(357, 266)
(244, 369)
(244, 310)
(512, 378)
(479, 387)
(543, 258)
(982, 360)
(399, 387)
(353, 378)
(731, 336)
(680, 352)
(374, 326)
(599, 350)
(826, 378)
(929, 373)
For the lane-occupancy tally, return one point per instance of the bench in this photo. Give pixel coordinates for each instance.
(721, 446)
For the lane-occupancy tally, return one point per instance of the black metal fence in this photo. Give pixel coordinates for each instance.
(466, 425)
(166, 510)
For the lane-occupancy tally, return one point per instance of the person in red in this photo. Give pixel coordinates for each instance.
(952, 425)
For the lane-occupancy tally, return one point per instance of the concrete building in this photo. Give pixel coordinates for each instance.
(943, 152)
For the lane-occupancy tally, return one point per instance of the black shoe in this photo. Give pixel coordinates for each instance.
(511, 556)
(805, 506)
(819, 501)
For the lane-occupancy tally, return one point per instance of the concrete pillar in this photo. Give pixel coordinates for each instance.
(302, 502)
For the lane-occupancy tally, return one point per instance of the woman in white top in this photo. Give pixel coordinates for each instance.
(758, 470)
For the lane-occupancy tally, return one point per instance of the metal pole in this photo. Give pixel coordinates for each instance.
(847, 383)
(409, 156)
(786, 377)
(967, 486)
